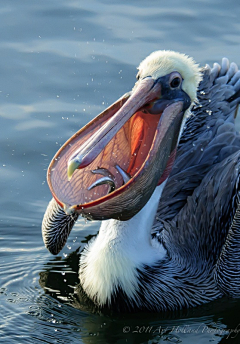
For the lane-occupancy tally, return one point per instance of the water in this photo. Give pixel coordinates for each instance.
(62, 62)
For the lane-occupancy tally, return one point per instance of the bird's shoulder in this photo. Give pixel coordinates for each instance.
(210, 136)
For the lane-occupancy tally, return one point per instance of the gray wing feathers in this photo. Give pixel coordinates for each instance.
(56, 227)
(202, 225)
(201, 213)
(209, 137)
(227, 274)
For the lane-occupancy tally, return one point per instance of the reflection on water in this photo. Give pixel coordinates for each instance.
(43, 296)
(60, 280)
(61, 64)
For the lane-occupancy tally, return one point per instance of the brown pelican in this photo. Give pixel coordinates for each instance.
(168, 240)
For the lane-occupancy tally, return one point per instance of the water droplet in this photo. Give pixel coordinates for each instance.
(202, 149)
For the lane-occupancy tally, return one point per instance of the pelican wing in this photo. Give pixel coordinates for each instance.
(203, 223)
(209, 137)
(203, 207)
(56, 226)
(228, 264)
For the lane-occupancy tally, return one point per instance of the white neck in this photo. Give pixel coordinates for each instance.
(120, 248)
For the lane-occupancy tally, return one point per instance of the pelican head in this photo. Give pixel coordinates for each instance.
(110, 168)
(163, 62)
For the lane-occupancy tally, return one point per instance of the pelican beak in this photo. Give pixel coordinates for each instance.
(146, 91)
(132, 143)
(73, 164)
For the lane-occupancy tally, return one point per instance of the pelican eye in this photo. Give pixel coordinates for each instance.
(175, 82)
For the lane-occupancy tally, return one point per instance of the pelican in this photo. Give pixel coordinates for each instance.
(160, 167)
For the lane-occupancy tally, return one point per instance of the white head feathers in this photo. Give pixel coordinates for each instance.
(163, 62)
